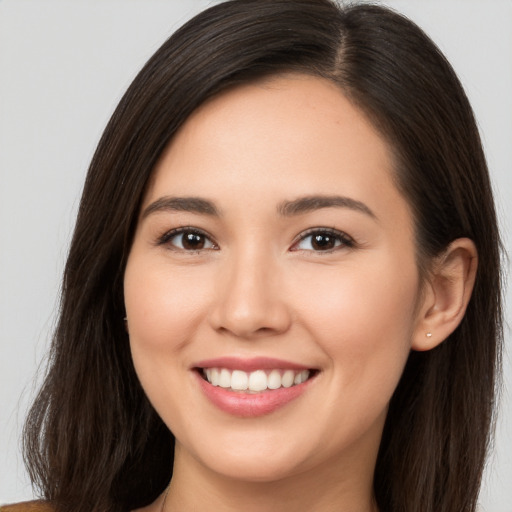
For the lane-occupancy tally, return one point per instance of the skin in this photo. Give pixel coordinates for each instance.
(353, 312)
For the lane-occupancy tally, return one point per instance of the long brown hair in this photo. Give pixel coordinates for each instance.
(92, 440)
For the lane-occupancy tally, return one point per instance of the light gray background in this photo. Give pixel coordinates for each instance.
(63, 67)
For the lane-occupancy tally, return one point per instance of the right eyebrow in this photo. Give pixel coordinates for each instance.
(181, 204)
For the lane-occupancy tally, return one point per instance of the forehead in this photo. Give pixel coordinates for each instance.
(289, 109)
(285, 136)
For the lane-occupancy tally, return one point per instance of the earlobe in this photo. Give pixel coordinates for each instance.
(446, 295)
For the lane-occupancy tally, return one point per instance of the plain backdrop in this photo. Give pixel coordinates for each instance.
(63, 67)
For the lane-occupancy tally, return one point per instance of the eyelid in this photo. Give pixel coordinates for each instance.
(168, 235)
(346, 240)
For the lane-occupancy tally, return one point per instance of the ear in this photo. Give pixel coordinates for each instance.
(446, 295)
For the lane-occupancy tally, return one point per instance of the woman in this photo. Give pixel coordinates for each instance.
(286, 254)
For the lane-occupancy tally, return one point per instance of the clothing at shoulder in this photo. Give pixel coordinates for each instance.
(27, 506)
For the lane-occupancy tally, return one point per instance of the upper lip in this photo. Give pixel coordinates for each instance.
(250, 364)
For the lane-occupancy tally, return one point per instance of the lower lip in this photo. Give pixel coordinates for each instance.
(251, 405)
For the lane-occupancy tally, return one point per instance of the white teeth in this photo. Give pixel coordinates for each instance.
(239, 380)
(274, 380)
(288, 378)
(301, 377)
(225, 378)
(259, 380)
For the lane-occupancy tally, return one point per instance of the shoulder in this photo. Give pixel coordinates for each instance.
(28, 506)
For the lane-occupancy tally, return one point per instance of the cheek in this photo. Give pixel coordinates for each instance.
(363, 317)
(162, 305)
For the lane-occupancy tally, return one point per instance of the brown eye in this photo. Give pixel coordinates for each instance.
(323, 240)
(192, 241)
(187, 240)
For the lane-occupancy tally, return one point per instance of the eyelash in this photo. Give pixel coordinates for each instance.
(341, 239)
(169, 235)
(344, 240)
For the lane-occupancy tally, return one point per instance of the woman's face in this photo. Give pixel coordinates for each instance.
(273, 246)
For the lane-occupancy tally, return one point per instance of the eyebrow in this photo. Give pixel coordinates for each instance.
(182, 204)
(286, 208)
(310, 203)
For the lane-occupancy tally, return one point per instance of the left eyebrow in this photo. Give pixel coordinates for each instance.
(310, 203)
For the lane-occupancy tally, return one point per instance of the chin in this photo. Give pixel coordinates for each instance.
(251, 461)
(266, 470)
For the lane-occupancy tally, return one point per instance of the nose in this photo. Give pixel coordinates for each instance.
(251, 301)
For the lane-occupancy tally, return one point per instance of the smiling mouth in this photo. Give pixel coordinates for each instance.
(257, 381)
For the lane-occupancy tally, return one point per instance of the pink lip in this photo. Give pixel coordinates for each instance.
(250, 365)
(250, 405)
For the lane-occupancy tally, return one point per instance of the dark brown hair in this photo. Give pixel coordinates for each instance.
(92, 440)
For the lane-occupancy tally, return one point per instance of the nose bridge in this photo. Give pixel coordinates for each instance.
(250, 300)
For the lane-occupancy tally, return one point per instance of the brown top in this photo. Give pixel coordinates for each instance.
(27, 506)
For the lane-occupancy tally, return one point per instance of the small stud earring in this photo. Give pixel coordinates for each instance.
(429, 334)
